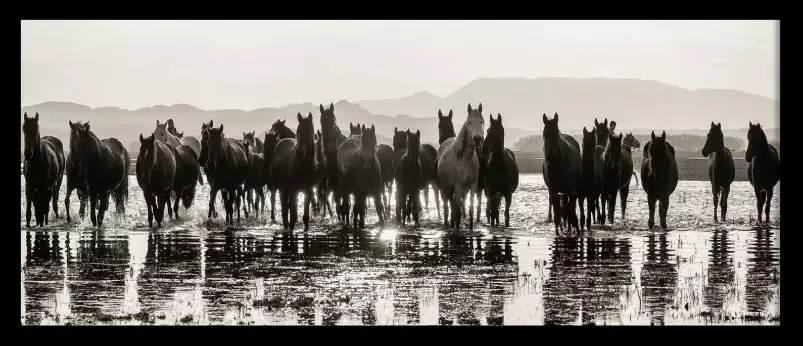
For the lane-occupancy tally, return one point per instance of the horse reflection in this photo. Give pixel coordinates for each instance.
(721, 273)
(762, 274)
(659, 277)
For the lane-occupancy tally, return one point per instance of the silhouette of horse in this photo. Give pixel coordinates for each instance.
(320, 188)
(167, 133)
(616, 172)
(105, 163)
(458, 167)
(332, 139)
(156, 172)
(44, 168)
(277, 132)
(202, 158)
(399, 150)
(361, 175)
(227, 164)
(659, 175)
(429, 174)
(721, 169)
(255, 144)
(483, 160)
(254, 180)
(603, 134)
(763, 168)
(589, 188)
(188, 172)
(628, 143)
(409, 180)
(296, 168)
(384, 153)
(502, 176)
(563, 169)
(76, 179)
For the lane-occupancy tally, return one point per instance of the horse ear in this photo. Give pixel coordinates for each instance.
(596, 123)
(331, 106)
(26, 115)
(593, 131)
(652, 135)
(157, 122)
(36, 117)
(719, 126)
(605, 122)
(395, 129)
(546, 120)
(373, 129)
(751, 124)
(450, 114)
(469, 108)
(221, 128)
(713, 125)
(282, 121)
(362, 127)
(663, 135)
(299, 117)
(244, 135)
(479, 108)
(211, 123)
(140, 138)
(322, 110)
(440, 114)
(309, 116)
(499, 118)
(556, 117)
(72, 126)
(86, 127)
(585, 132)
(417, 134)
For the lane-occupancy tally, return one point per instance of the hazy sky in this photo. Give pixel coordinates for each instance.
(252, 64)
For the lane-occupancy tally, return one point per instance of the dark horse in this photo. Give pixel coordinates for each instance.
(763, 168)
(502, 176)
(156, 171)
(227, 165)
(617, 169)
(332, 139)
(322, 205)
(254, 181)
(659, 175)
(721, 170)
(399, 150)
(188, 172)
(384, 153)
(105, 163)
(295, 169)
(409, 179)
(277, 132)
(76, 179)
(361, 175)
(563, 168)
(44, 169)
(589, 187)
(603, 135)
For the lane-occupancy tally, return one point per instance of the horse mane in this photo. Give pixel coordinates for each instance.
(461, 142)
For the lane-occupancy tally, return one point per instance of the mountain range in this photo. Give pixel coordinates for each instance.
(638, 106)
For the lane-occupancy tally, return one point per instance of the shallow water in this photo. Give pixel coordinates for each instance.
(198, 272)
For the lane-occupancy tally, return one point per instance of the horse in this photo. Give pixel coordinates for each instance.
(502, 176)
(617, 168)
(227, 165)
(255, 144)
(458, 167)
(44, 169)
(167, 133)
(763, 168)
(332, 139)
(360, 174)
(296, 168)
(355, 131)
(254, 180)
(603, 135)
(202, 158)
(277, 132)
(399, 150)
(721, 169)
(563, 168)
(628, 143)
(156, 172)
(659, 175)
(105, 163)
(384, 153)
(409, 180)
(320, 188)
(76, 179)
(188, 171)
(589, 187)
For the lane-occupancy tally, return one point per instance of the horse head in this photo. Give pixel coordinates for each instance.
(413, 142)
(475, 125)
(147, 155)
(631, 141)
(445, 127)
(613, 155)
(328, 125)
(714, 140)
(84, 141)
(305, 135)
(368, 139)
(399, 139)
(250, 137)
(658, 151)
(602, 131)
(215, 144)
(756, 141)
(552, 135)
(30, 129)
(495, 136)
(589, 139)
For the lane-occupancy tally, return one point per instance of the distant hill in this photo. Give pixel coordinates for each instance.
(632, 103)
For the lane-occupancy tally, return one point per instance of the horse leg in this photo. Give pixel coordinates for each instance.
(549, 210)
(284, 200)
(308, 198)
(104, 205)
(573, 210)
(663, 210)
(715, 191)
(150, 205)
(603, 207)
(239, 200)
(67, 202)
(179, 193)
(160, 204)
(436, 190)
(273, 205)
(471, 210)
(479, 193)
(399, 206)
(212, 196)
(293, 209)
(93, 204)
(590, 204)
(508, 200)
(623, 192)
(724, 201)
(582, 212)
(46, 204)
(768, 195)
(651, 205)
(82, 202)
(121, 196)
(55, 198)
(554, 205)
(612, 206)
(168, 204)
(28, 207)
(445, 199)
(759, 201)
(417, 205)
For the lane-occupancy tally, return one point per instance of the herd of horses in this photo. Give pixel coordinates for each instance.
(468, 163)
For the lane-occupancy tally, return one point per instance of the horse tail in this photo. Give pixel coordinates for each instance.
(635, 176)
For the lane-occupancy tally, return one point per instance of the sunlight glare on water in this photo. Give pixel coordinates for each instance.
(199, 271)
